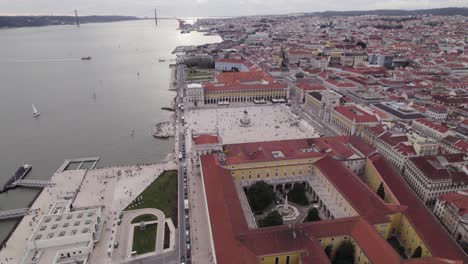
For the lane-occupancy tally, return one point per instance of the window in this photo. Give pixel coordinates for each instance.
(287, 259)
(276, 260)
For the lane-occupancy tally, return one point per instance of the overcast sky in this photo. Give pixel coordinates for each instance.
(209, 7)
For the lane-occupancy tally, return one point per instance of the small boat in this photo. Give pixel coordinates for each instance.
(168, 109)
(161, 60)
(86, 58)
(35, 112)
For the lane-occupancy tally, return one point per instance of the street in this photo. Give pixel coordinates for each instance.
(182, 172)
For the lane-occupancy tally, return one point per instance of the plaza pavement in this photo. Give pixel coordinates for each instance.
(269, 122)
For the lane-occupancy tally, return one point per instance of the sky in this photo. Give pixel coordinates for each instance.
(197, 8)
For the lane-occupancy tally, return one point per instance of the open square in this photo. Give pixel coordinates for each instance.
(269, 122)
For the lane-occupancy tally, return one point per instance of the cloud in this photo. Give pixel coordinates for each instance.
(210, 7)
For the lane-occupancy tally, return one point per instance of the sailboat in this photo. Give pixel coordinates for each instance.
(35, 112)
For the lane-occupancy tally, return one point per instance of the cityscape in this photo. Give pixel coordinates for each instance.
(303, 138)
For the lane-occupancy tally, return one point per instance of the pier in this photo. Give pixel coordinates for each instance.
(32, 183)
(18, 176)
(67, 163)
(15, 213)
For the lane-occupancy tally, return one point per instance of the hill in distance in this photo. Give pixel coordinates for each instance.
(449, 11)
(39, 21)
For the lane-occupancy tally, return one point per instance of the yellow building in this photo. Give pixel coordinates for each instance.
(243, 87)
(355, 212)
(351, 120)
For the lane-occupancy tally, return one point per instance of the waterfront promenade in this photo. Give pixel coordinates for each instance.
(111, 188)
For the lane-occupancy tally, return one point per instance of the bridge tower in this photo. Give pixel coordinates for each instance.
(155, 17)
(76, 19)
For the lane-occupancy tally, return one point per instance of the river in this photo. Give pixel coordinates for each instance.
(88, 108)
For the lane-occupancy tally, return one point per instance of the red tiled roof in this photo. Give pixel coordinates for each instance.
(342, 147)
(210, 87)
(393, 139)
(438, 108)
(439, 243)
(263, 151)
(455, 157)
(340, 84)
(225, 212)
(460, 200)
(309, 87)
(376, 130)
(205, 139)
(357, 193)
(430, 260)
(434, 170)
(354, 113)
(339, 147)
(405, 148)
(433, 125)
(462, 145)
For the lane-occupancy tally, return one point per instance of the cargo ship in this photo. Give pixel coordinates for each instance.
(20, 173)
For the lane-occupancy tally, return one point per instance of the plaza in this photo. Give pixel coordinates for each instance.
(269, 122)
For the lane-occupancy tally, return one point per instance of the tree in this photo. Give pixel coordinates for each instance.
(313, 215)
(260, 195)
(298, 194)
(381, 191)
(417, 252)
(344, 254)
(299, 75)
(273, 218)
(361, 44)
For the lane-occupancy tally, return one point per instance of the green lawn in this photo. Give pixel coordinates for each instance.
(160, 194)
(144, 241)
(144, 218)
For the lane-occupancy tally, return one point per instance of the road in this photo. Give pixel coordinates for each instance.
(322, 128)
(180, 148)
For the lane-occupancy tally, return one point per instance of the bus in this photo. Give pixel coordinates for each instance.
(278, 101)
(261, 101)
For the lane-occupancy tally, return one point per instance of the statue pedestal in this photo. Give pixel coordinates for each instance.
(288, 212)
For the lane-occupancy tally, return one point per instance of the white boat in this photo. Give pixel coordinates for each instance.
(35, 112)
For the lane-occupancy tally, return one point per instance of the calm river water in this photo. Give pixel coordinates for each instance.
(88, 108)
